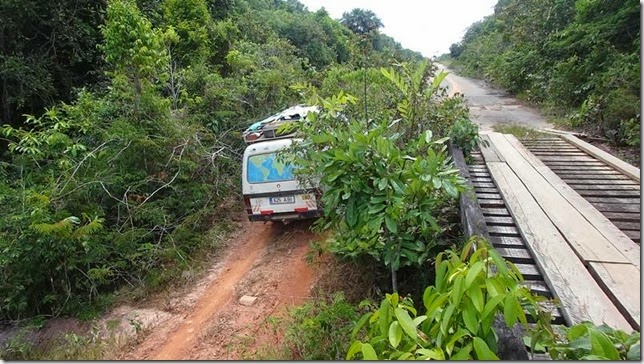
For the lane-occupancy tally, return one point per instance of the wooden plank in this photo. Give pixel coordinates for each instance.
(583, 236)
(539, 147)
(489, 152)
(618, 200)
(609, 193)
(491, 203)
(480, 179)
(576, 168)
(633, 234)
(584, 171)
(614, 207)
(573, 164)
(623, 216)
(529, 271)
(507, 242)
(628, 187)
(623, 225)
(594, 176)
(580, 296)
(620, 165)
(483, 185)
(499, 220)
(601, 182)
(558, 153)
(515, 255)
(538, 287)
(566, 159)
(623, 284)
(503, 230)
(488, 196)
(485, 190)
(495, 211)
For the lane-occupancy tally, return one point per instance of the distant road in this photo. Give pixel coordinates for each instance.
(490, 106)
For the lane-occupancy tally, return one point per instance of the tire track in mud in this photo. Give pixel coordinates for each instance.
(271, 254)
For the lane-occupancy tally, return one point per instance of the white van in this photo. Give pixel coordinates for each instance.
(271, 191)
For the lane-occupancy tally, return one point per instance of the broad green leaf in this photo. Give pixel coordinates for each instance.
(395, 334)
(445, 323)
(406, 322)
(378, 199)
(470, 319)
(352, 213)
(457, 290)
(482, 351)
(426, 354)
(576, 332)
(368, 353)
(438, 79)
(405, 356)
(355, 348)
(460, 333)
(601, 345)
(463, 353)
(491, 305)
(441, 269)
(473, 273)
(384, 316)
(476, 296)
(510, 308)
(391, 224)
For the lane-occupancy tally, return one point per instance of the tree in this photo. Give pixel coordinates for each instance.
(47, 48)
(361, 21)
(133, 49)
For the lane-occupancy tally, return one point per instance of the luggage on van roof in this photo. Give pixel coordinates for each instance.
(267, 129)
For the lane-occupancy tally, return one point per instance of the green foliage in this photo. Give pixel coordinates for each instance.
(519, 131)
(471, 287)
(48, 49)
(122, 185)
(465, 135)
(131, 46)
(189, 26)
(361, 21)
(586, 341)
(384, 189)
(319, 330)
(581, 56)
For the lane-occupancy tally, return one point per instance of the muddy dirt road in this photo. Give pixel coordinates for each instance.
(266, 261)
(490, 106)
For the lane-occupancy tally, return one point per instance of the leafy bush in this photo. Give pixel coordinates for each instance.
(319, 330)
(384, 187)
(580, 56)
(586, 341)
(470, 289)
(465, 135)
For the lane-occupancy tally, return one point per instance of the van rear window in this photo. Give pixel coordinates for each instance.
(263, 168)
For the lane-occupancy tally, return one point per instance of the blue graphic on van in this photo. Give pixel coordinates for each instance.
(263, 168)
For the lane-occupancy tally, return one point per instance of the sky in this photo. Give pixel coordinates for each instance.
(425, 26)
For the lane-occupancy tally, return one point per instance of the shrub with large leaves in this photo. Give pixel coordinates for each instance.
(471, 288)
(382, 197)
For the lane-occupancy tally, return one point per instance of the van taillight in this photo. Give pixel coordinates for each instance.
(249, 209)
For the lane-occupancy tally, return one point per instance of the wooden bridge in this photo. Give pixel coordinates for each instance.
(568, 215)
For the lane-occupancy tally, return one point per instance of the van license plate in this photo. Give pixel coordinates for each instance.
(282, 200)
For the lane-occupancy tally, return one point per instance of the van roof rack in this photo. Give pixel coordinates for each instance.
(267, 129)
